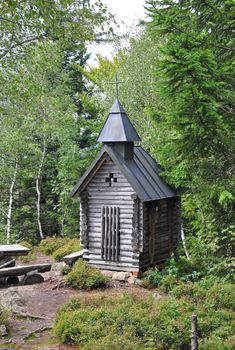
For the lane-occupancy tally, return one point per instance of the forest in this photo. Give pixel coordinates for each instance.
(178, 91)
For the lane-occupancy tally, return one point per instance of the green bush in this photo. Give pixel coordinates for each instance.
(152, 278)
(50, 244)
(66, 269)
(69, 246)
(131, 321)
(84, 277)
(26, 244)
(31, 255)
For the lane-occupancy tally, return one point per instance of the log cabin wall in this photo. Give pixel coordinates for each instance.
(161, 231)
(109, 188)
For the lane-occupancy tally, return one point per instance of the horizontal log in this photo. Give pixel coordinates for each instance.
(105, 185)
(123, 253)
(21, 270)
(121, 259)
(110, 200)
(96, 226)
(96, 241)
(101, 179)
(110, 196)
(95, 216)
(100, 189)
(115, 267)
(97, 210)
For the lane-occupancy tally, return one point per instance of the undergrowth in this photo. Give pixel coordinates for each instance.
(31, 256)
(129, 321)
(84, 277)
(59, 247)
(3, 316)
(70, 246)
(50, 244)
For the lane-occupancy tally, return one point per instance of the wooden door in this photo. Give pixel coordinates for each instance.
(110, 233)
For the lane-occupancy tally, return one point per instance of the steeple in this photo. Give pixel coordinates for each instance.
(118, 127)
(118, 132)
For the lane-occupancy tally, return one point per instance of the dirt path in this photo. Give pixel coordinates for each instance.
(42, 301)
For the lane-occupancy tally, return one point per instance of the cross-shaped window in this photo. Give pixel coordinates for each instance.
(111, 179)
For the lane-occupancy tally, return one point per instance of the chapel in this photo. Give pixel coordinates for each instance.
(129, 217)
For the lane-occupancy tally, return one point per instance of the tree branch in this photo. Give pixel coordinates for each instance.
(18, 45)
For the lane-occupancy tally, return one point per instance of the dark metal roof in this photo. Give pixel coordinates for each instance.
(142, 172)
(118, 127)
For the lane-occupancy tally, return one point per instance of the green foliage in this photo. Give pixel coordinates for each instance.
(66, 269)
(84, 277)
(42, 82)
(70, 246)
(173, 272)
(50, 244)
(26, 244)
(3, 316)
(31, 255)
(136, 322)
(196, 125)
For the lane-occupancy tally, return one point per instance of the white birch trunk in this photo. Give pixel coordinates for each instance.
(184, 244)
(9, 212)
(62, 220)
(38, 190)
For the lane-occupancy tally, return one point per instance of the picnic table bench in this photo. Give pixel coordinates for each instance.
(9, 273)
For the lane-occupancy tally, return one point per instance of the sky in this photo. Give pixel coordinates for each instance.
(128, 13)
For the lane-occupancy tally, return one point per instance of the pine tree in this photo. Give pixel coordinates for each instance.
(197, 123)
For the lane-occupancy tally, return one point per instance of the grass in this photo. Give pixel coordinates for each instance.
(130, 321)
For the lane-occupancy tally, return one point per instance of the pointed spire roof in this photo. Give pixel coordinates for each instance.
(118, 127)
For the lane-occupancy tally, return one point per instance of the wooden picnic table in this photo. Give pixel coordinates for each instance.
(13, 250)
(9, 272)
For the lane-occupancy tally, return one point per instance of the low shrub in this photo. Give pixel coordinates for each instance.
(131, 321)
(3, 316)
(50, 244)
(84, 277)
(66, 269)
(152, 278)
(69, 246)
(173, 273)
(26, 244)
(31, 255)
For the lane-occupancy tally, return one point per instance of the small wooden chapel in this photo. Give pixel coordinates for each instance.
(129, 218)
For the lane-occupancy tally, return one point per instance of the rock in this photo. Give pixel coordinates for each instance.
(138, 281)
(3, 331)
(13, 299)
(107, 273)
(120, 276)
(157, 296)
(132, 280)
(57, 268)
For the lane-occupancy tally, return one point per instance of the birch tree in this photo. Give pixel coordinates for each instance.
(9, 212)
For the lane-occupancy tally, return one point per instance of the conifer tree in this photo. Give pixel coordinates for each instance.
(197, 121)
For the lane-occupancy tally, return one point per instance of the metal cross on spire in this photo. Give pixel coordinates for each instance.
(116, 82)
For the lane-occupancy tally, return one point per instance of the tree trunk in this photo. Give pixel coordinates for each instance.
(9, 213)
(194, 340)
(184, 244)
(38, 190)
